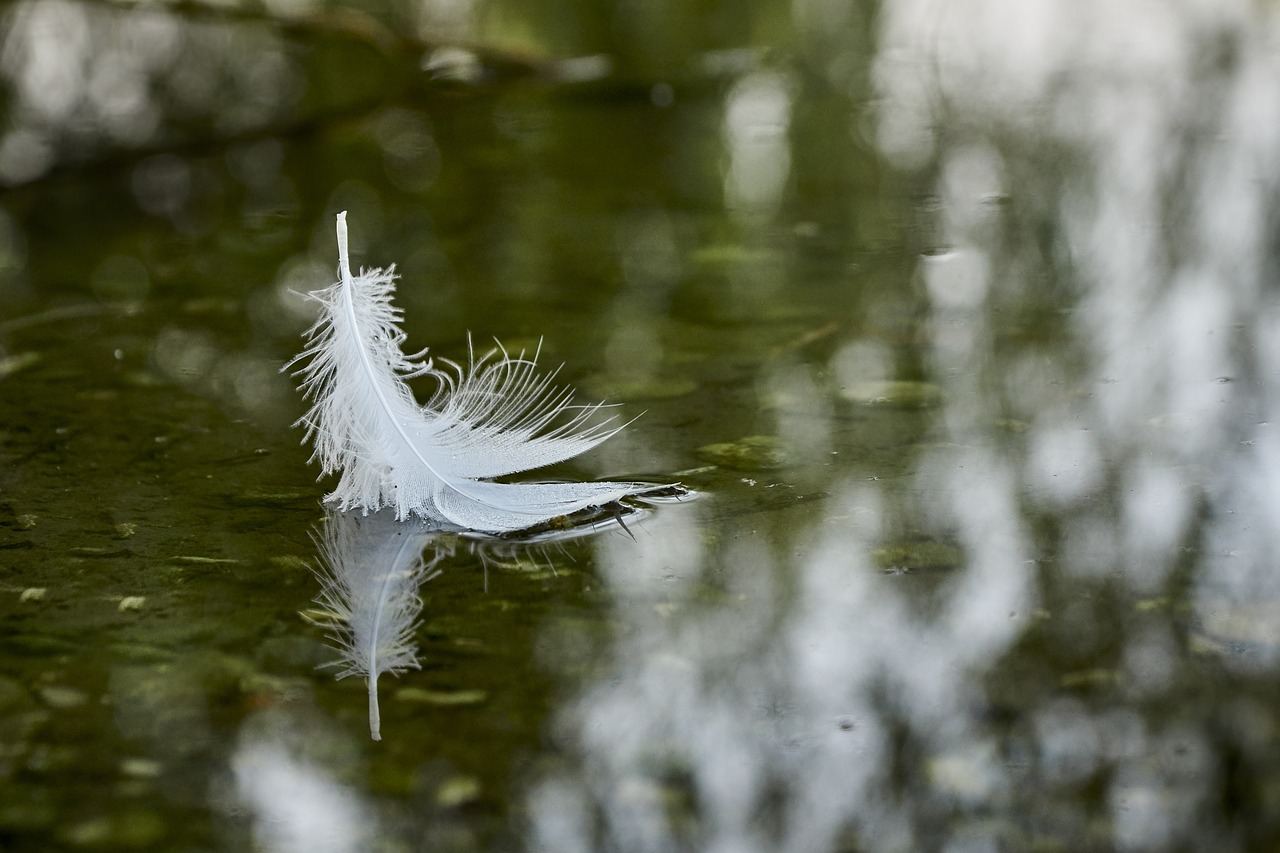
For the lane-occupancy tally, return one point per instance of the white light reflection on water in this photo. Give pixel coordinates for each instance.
(757, 117)
(86, 75)
(1103, 467)
(295, 803)
(774, 711)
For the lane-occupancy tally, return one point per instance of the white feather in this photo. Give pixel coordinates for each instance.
(496, 416)
(371, 569)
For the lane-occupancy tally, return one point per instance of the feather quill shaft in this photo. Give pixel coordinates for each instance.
(494, 417)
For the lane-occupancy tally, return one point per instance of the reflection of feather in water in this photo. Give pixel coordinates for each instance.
(372, 568)
(495, 417)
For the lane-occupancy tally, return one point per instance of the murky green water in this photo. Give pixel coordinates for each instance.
(961, 327)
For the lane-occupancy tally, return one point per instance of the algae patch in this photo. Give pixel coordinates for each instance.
(753, 453)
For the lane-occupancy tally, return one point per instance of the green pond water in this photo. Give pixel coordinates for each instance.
(960, 329)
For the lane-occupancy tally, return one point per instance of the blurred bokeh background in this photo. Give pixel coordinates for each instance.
(961, 319)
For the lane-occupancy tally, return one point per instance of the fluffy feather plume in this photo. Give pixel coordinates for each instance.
(371, 568)
(496, 416)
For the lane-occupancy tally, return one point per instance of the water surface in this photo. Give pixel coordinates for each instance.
(962, 326)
